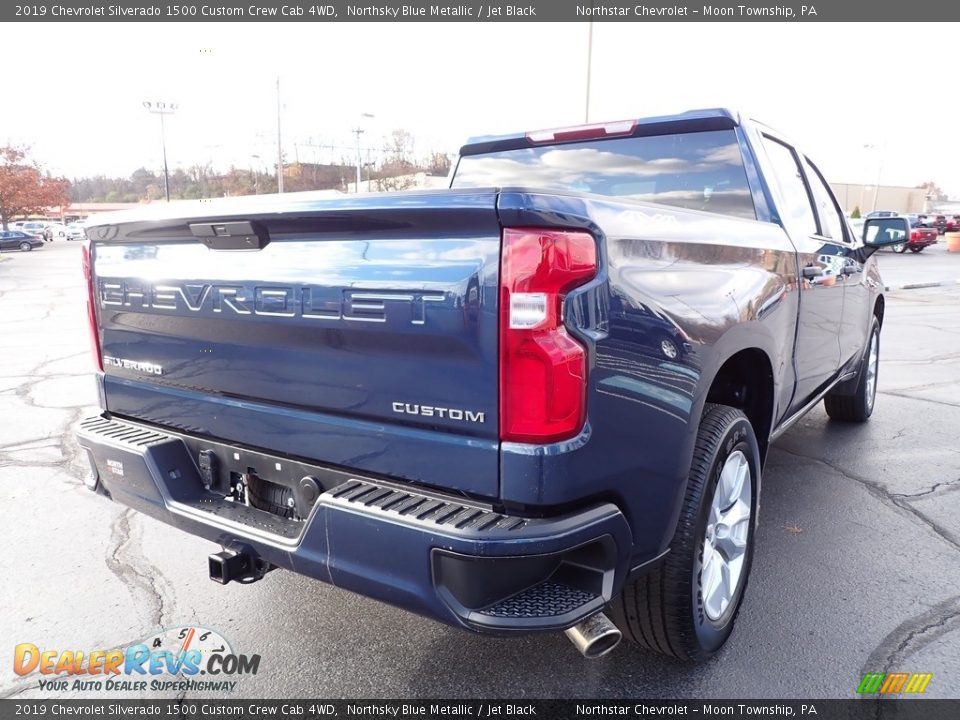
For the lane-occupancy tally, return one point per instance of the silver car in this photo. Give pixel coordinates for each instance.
(76, 231)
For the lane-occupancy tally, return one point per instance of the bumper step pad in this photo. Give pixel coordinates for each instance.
(548, 599)
(415, 505)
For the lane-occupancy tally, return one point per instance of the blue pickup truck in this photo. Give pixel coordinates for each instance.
(533, 402)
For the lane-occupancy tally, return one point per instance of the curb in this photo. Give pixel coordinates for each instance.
(918, 286)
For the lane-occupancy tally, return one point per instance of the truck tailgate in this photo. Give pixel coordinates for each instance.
(363, 333)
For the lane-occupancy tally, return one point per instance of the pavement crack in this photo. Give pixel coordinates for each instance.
(929, 491)
(913, 634)
(913, 397)
(18, 688)
(898, 502)
(122, 561)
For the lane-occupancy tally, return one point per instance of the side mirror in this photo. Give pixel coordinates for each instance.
(881, 232)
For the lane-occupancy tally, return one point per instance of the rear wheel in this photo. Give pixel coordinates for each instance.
(916, 248)
(26, 247)
(859, 406)
(687, 606)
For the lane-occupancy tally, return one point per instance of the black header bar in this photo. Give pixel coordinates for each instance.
(866, 708)
(858, 11)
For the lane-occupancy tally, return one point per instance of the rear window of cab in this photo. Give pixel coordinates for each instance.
(698, 171)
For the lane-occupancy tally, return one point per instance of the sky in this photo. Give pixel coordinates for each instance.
(852, 96)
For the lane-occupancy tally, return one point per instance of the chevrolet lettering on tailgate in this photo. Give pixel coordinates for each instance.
(318, 303)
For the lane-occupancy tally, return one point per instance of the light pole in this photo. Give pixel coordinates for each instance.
(358, 131)
(586, 113)
(879, 151)
(279, 144)
(255, 169)
(161, 109)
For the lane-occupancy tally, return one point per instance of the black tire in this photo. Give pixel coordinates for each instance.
(916, 248)
(858, 407)
(663, 609)
(26, 247)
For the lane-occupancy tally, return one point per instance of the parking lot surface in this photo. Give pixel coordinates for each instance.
(933, 265)
(856, 567)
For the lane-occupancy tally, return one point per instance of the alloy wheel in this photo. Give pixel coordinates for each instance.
(727, 536)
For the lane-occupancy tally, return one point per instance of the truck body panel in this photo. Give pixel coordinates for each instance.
(316, 384)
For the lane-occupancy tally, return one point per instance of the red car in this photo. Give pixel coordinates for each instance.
(920, 237)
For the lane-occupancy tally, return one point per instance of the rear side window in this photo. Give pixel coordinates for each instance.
(797, 208)
(830, 217)
(698, 171)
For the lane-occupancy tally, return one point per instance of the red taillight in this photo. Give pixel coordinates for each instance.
(91, 311)
(914, 234)
(621, 128)
(543, 371)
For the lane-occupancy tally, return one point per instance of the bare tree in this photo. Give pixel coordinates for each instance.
(933, 190)
(394, 183)
(438, 164)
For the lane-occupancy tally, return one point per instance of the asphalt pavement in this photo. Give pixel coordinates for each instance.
(931, 267)
(857, 566)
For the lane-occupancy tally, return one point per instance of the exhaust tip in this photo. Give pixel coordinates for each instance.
(595, 636)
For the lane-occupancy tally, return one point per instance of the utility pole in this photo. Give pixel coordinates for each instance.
(279, 143)
(161, 109)
(358, 131)
(255, 170)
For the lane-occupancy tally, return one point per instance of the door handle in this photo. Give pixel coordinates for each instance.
(812, 271)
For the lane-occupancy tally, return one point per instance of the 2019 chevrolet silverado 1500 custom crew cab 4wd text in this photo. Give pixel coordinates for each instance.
(515, 405)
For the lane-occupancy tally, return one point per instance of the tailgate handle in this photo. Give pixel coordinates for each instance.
(233, 235)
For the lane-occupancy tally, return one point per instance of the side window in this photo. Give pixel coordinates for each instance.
(830, 217)
(798, 209)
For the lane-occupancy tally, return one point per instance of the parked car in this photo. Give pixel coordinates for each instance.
(919, 238)
(881, 213)
(76, 231)
(936, 221)
(952, 224)
(54, 231)
(19, 240)
(32, 227)
(508, 410)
